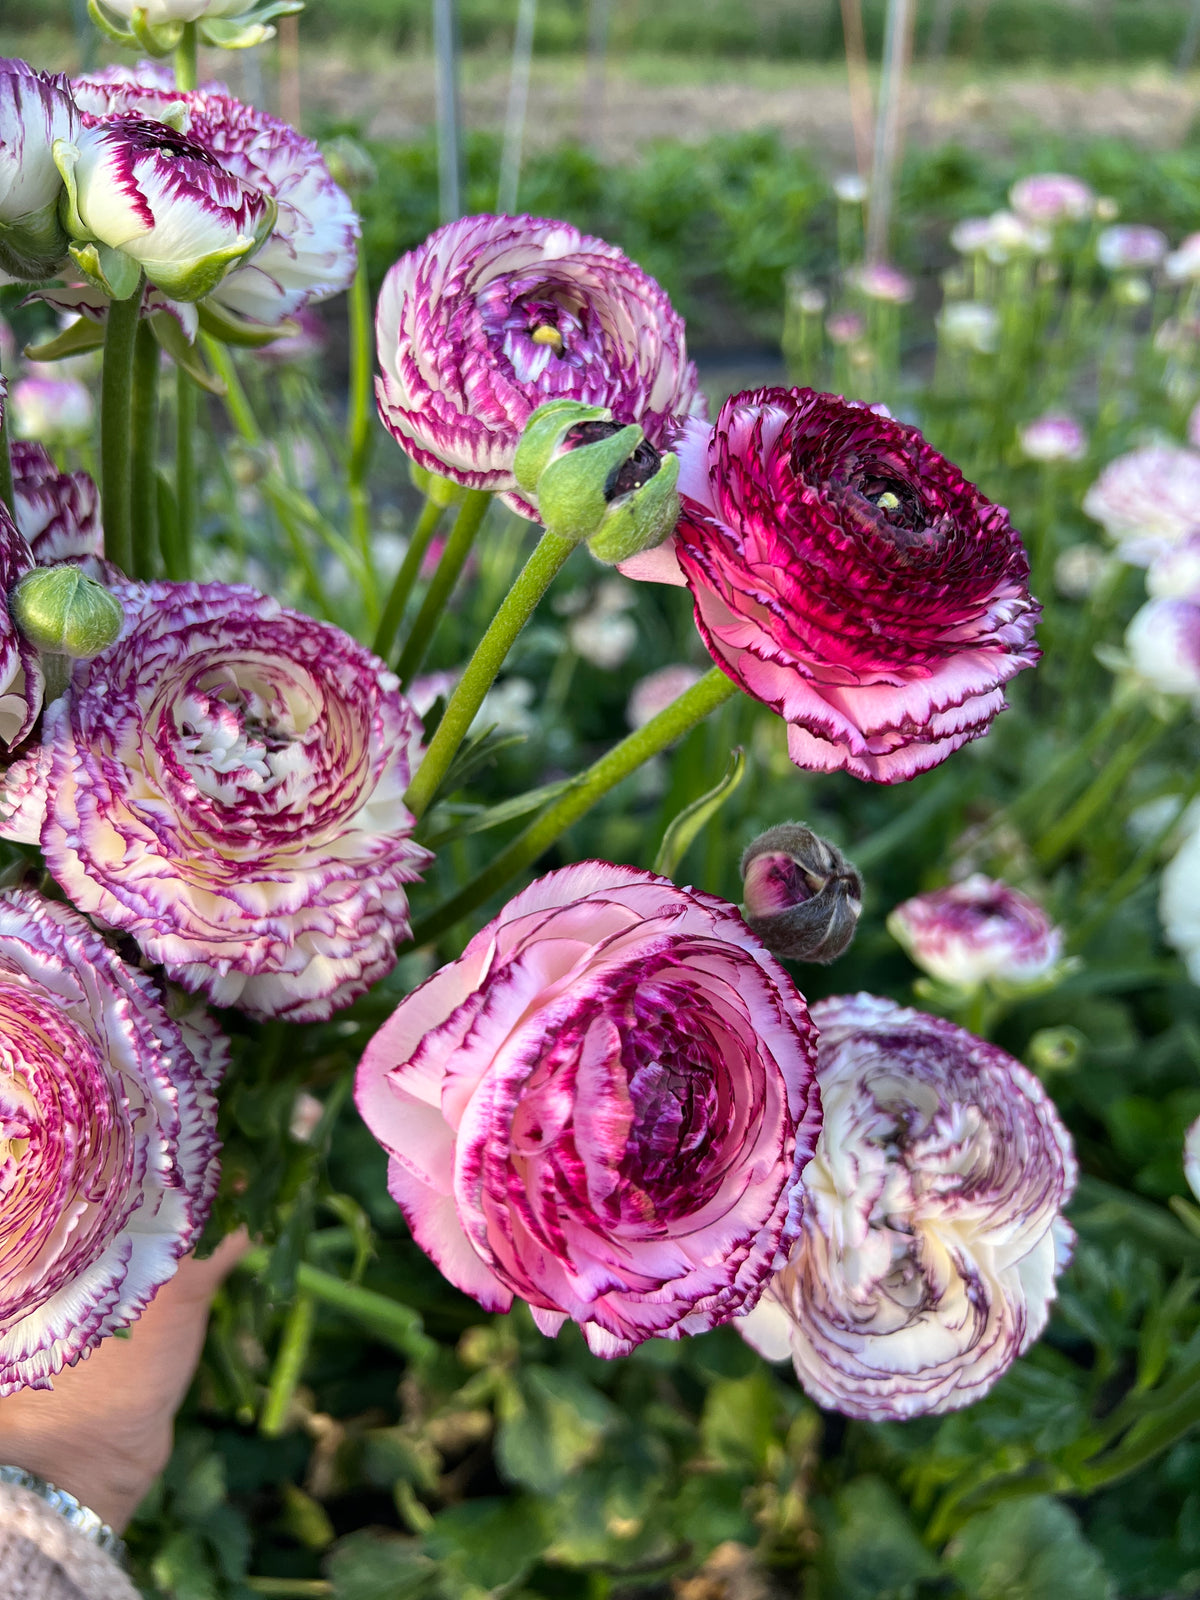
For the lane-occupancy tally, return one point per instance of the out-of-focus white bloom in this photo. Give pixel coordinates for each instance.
(970, 325)
(806, 297)
(604, 634)
(1191, 1158)
(972, 235)
(507, 707)
(850, 189)
(877, 280)
(51, 409)
(1179, 903)
(656, 691)
(307, 1112)
(1053, 437)
(1163, 643)
(1050, 197)
(1183, 264)
(844, 327)
(1176, 574)
(1000, 237)
(1131, 247)
(932, 1232)
(1147, 501)
(1081, 569)
(978, 931)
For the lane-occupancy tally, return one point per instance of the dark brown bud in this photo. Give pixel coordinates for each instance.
(803, 898)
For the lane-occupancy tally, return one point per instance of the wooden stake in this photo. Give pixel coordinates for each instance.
(518, 103)
(289, 70)
(889, 124)
(445, 49)
(862, 115)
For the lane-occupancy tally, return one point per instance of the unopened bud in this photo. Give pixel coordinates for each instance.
(64, 612)
(802, 897)
(1055, 1049)
(597, 480)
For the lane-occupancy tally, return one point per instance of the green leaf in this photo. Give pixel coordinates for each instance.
(489, 1542)
(369, 1566)
(79, 338)
(691, 819)
(551, 1423)
(482, 818)
(1028, 1550)
(738, 1426)
(873, 1552)
(185, 354)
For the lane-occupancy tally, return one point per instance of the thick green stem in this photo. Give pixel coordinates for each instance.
(1145, 1441)
(144, 506)
(679, 718)
(289, 1365)
(458, 547)
(116, 408)
(186, 54)
(397, 1323)
(1059, 839)
(186, 419)
(519, 605)
(393, 611)
(358, 428)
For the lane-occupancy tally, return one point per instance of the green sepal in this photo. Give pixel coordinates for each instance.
(64, 612)
(34, 247)
(66, 159)
(197, 278)
(159, 39)
(112, 271)
(544, 432)
(570, 491)
(175, 342)
(640, 520)
(225, 35)
(79, 339)
(434, 487)
(110, 29)
(223, 325)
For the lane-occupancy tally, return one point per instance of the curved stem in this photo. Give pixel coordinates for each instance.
(679, 718)
(458, 547)
(116, 404)
(393, 611)
(518, 606)
(186, 58)
(144, 488)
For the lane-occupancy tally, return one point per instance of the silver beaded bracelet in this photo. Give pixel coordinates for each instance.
(69, 1509)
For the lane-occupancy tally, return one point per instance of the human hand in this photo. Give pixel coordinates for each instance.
(104, 1432)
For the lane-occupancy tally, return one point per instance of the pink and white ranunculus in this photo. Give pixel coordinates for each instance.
(225, 784)
(35, 110)
(603, 1107)
(1179, 902)
(1056, 436)
(1176, 573)
(932, 1233)
(21, 681)
(107, 1139)
(1163, 645)
(493, 316)
(1051, 197)
(144, 196)
(978, 931)
(58, 513)
(51, 408)
(1147, 500)
(849, 577)
(1131, 247)
(1191, 1158)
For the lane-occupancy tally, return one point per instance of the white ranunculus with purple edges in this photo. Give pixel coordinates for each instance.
(603, 1107)
(1052, 197)
(1131, 247)
(1176, 573)
(850, 578)
(1163, 645)
(978, 931)
(21, 680)
(1147, 501)
(108, 1149)
(35, 110)
(932, 1232)
(493, 316)
(225, 784)
(58, 513)
(163, 202)
(1056, 436)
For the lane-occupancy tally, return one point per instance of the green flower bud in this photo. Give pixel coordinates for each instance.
(544, 434)
(64, 612)
(1055, 1049)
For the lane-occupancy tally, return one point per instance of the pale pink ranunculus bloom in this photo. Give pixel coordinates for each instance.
(1163, 645)
(110, 1151)
(493, 316)
(845, 327)
(977, 931)
(1131, 247)
(1147, 500)
(51, 409)
(1183, 263)
(1191, 1158)
(1000, 237)
(603, 1108)
(1056, 436)
(1175, 575)
(850, 578)
(1051, 197)
(878, 280)
(226, 785)
(933, 1231)
(1179, 902)
(656, 691)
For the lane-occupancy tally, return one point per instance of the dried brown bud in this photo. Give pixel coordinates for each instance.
(802, 897)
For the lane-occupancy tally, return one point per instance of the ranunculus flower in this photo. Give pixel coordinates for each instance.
(226, 784)
(1183, 265)
(1176, 573)
(493, 316)
(58, 513)
(1163, 644)
(932, 1231)
(107, 1139)
(656, 691)
(51, 408)
(1050, 197)
(1179, 902)
(603, 1107)
(849, 577)
(1191, 1158)
(1130, 247)
(877, 280)
(1056, 436)
(21, 682)
(162, 202)
(976, 931)
(970, 325)
(1147, 500)
(1000, 237)
(160, 11)
(35, 110)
